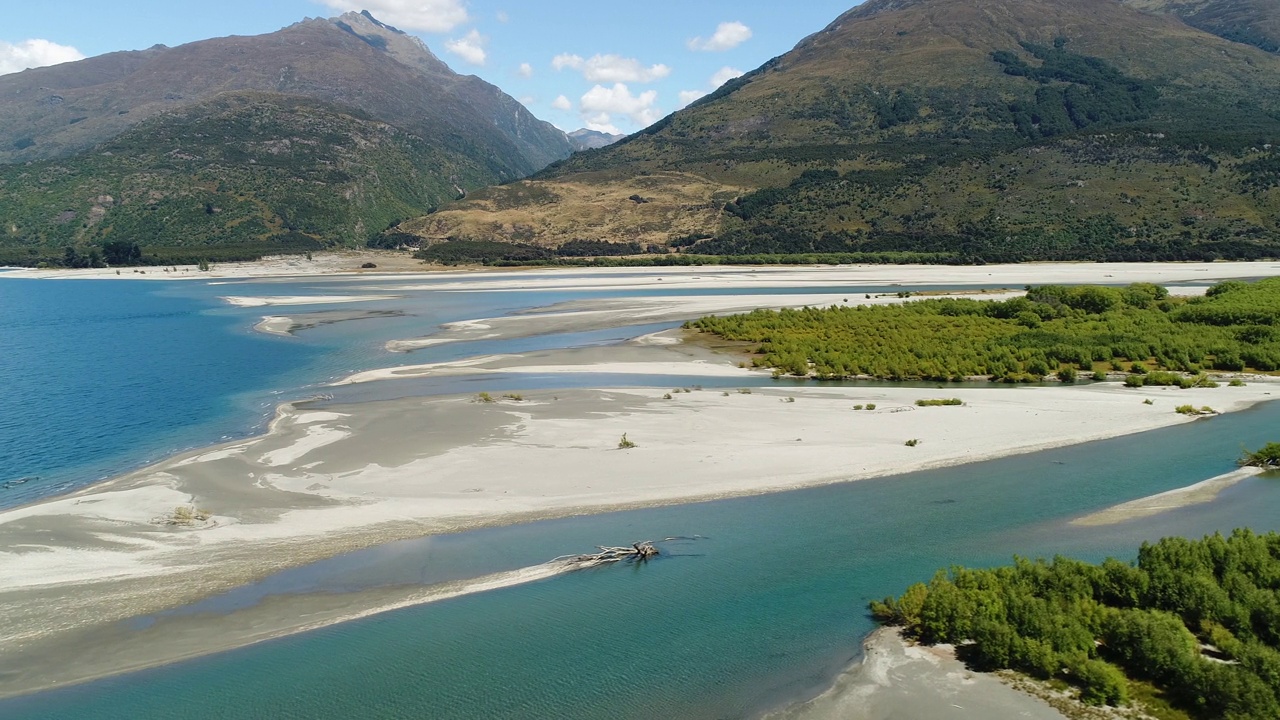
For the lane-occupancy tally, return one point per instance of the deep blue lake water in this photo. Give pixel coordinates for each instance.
(767, 608)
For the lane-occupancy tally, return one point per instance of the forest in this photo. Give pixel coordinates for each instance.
(1052, 330)
(1193, 626)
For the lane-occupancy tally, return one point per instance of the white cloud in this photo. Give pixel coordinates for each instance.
(601, 103)
(601, 122)
(562, 103)
(470, 47)
(428, 15)
(688, 96)
(528, 100)
(565, 60)
(611, 68)
(503, 16)
(724, 75)
(728, 35)
(526, 70)
(34, 53)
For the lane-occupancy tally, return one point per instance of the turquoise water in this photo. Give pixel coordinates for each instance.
(99, 377)
(768, 607)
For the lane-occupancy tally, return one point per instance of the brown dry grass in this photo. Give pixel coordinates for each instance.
(552, 212)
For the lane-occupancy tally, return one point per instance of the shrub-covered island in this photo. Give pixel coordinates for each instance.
(1054, 329)
(1193, 627)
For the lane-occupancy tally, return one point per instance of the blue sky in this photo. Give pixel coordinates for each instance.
(607, 65)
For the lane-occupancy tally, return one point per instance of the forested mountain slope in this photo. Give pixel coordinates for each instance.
(324, 132)
(987, 129)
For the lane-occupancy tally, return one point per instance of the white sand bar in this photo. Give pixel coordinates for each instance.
(304, 300)
(324, 482)
(1197, 494)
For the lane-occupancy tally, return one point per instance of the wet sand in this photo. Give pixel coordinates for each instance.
(1197, 494)
(898, 680)
(323, 482)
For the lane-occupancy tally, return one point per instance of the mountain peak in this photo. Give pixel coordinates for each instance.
(405, 48)
(587, 139)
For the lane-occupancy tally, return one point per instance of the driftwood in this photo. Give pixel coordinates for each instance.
(638, 552)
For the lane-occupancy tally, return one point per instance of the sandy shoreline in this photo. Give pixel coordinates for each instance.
(1197, 494)
(401, 267)
(898, 679)
(321, 482)
(324, 482)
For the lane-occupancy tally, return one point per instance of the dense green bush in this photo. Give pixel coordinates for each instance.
(1050, 330)
(1093, 625)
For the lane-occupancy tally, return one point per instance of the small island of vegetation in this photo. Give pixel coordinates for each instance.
(1267, 458)
(1054, 330)
(1191, 630)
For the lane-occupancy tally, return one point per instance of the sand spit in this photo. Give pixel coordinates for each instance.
(1197, 494)
(280, 325)
(326, 481)
(250, 302)
(897, 679)
(166, 638)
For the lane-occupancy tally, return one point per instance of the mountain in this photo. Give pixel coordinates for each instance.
(327, 131)
(585, 139)
(973, 130)
(1253, 22)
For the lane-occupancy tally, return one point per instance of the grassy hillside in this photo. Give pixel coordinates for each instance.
(999, 129)
(1253, 22)
(325, 132)
(236, 177)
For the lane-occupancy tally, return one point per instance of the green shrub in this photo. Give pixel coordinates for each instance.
(1100, 626)
(1266, 457)
(940, 402)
